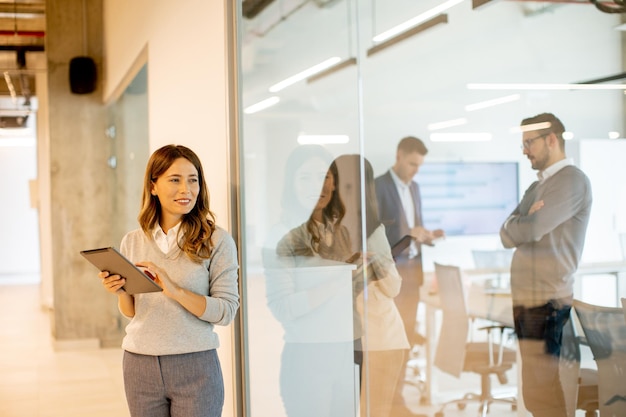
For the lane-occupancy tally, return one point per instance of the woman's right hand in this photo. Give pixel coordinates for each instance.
(112, 283)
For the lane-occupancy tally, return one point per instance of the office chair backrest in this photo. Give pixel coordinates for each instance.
(450, 353)
(496, 259)
(622, 244)
(605, 332)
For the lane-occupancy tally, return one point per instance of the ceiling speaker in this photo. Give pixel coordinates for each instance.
(82, 75)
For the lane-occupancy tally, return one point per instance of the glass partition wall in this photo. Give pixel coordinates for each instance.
(328, 90)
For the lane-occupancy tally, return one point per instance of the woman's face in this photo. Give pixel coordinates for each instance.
(177, 190)
(313, 184)
(327, 191)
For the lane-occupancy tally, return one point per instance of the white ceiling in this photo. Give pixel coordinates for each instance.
(423, 79)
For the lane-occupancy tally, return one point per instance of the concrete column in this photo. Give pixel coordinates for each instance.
(81, 182)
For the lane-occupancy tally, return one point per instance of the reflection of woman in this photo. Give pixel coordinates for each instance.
(171, 365)
(310, 292)
(384, 338)
(323, 234)
(304, 175)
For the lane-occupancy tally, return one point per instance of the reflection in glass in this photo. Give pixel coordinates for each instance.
(310, 292)
(384, 338)
(409, 88)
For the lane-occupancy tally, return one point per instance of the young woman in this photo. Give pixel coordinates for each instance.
(171, 367)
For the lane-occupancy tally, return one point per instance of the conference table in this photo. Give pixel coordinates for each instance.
(489, 298)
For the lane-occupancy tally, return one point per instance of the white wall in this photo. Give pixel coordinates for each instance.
(184, 42)
(19, 247)
(186, 53)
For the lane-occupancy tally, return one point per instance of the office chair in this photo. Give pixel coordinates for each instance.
(455, 354)
(492, 259)
(605, 333)
(498, 259)
(580, 384)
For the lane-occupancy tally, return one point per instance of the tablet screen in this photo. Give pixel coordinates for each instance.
(401, 245)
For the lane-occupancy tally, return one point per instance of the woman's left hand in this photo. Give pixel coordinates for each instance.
(160, 277)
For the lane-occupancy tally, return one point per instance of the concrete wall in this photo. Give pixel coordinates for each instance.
(79, 179)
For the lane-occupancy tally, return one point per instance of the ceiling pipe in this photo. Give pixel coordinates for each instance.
(29, 33)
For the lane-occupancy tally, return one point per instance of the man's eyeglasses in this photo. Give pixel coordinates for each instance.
(528, 142)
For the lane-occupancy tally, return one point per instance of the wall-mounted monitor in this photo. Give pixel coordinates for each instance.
(468, 198)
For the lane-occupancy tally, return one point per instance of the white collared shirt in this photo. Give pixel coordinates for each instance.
(404, 191)
(554, 168)
(165, 242)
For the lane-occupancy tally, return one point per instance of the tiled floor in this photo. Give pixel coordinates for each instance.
(37, 381)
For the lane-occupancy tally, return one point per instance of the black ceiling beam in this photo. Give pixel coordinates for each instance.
(604, 79)
(251, 8)
(26, 48)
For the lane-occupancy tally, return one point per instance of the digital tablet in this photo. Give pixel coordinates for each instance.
(109, 259)
(401, 245)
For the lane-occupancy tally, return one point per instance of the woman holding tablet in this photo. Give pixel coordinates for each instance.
(170, 364)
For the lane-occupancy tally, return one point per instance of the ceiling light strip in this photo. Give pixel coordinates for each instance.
(461, 137)
(493, 102)
(442, 18)
(539, 86)
(322, 139)
(530, 127)
(423, 17)
(15, 142)
(261, 105)
(447, 123)
(304, 74)
(340, 65)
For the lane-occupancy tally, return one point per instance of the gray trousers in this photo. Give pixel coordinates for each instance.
(185, 385)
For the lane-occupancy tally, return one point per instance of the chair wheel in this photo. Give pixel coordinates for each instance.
(461, 406)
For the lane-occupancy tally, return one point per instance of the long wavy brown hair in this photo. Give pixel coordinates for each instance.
(332, 214)
(198, 225)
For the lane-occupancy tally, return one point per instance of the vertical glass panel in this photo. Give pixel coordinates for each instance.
(460, 76)
(128, 133)
(301, 234)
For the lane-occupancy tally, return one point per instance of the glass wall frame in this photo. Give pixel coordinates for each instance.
(461, 80)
